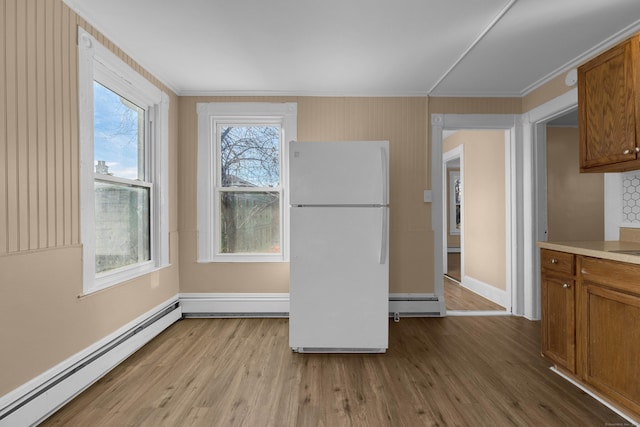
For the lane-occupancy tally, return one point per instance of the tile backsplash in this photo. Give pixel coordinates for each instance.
(631, 198)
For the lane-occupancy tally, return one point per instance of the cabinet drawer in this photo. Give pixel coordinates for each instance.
(559, 262)
(619, 275)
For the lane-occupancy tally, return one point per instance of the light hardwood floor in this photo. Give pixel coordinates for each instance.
(462, 371)
(457, 297)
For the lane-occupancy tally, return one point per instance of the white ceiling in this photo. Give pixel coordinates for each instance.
(360, 47)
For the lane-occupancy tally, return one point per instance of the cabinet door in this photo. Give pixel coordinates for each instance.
(607, 108)
(611, 341)
(558, 321)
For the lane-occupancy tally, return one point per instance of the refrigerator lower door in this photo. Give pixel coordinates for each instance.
(339, 288)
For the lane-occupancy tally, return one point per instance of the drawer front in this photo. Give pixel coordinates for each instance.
(559, 262)
(618, 275)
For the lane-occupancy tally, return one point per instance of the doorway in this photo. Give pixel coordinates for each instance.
(454, 203)
(509, 124)
(475, 217)
(456, 296)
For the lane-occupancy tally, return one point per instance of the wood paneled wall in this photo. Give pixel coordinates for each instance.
(40, 252)
(39, 206)
(39, 145)
(402, 121)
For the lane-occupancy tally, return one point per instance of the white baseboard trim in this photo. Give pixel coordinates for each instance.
(35, 400)
(277, 305)
(484, 313)
(235, 304)
(485, 290)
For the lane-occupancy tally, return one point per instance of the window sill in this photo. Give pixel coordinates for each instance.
(121, 276)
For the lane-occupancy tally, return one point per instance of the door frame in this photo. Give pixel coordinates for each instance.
(535, 143)
(508, 123)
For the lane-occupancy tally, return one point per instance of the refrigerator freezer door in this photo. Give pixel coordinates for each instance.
(339, 289)
(339, 173)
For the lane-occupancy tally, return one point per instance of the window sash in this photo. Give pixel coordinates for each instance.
(220, 188)
(141, 150)
(218, 125)
(145, 150)
(123, 236)
(255, 212)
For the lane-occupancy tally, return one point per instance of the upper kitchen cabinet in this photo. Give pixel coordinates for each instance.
(609, 109)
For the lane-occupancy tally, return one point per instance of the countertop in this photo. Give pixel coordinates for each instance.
(599, 249)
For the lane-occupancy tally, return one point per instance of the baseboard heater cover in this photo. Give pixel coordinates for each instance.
(238, 305)
(222, 315)
(44, 398)
(416, 305)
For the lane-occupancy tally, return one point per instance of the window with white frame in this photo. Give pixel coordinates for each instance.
(242, 164)
(123, 169)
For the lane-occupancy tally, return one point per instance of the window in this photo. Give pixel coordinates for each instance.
(123, 169)
(242, 202)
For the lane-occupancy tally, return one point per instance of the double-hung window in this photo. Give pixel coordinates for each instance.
(242, 202)
(123, 168)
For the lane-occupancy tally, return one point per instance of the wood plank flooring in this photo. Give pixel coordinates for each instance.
(455, 371)
(457, 297)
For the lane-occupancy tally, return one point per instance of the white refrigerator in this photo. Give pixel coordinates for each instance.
(339, 270)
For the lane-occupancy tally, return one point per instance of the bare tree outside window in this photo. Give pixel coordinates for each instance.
(250, 193)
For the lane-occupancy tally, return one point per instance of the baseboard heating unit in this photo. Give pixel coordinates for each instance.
(34, 401)
(416, 305)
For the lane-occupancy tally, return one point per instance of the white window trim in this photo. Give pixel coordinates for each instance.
(95, 61)
(208, 115)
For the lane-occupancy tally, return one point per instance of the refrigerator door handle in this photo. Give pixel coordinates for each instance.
(383, 170)
(383, 237)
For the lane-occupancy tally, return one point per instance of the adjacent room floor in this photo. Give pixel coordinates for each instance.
(459, 298)
(463, 371)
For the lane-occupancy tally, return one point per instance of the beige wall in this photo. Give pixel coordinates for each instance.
(402, 121)
(475, 105)
(575, 201)
(43, 320)
(483, 190)
(460, 105)
(545, 93)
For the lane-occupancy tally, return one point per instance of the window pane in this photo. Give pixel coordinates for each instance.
(250, 156)
(122, 225)
(249, 222)
(118, 135)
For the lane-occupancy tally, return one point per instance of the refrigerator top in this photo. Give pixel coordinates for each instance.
(339, 173)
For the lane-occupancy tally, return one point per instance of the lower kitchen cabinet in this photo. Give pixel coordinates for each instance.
(558, 330)
(591, 324)
(558, 321)
(609, 330)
